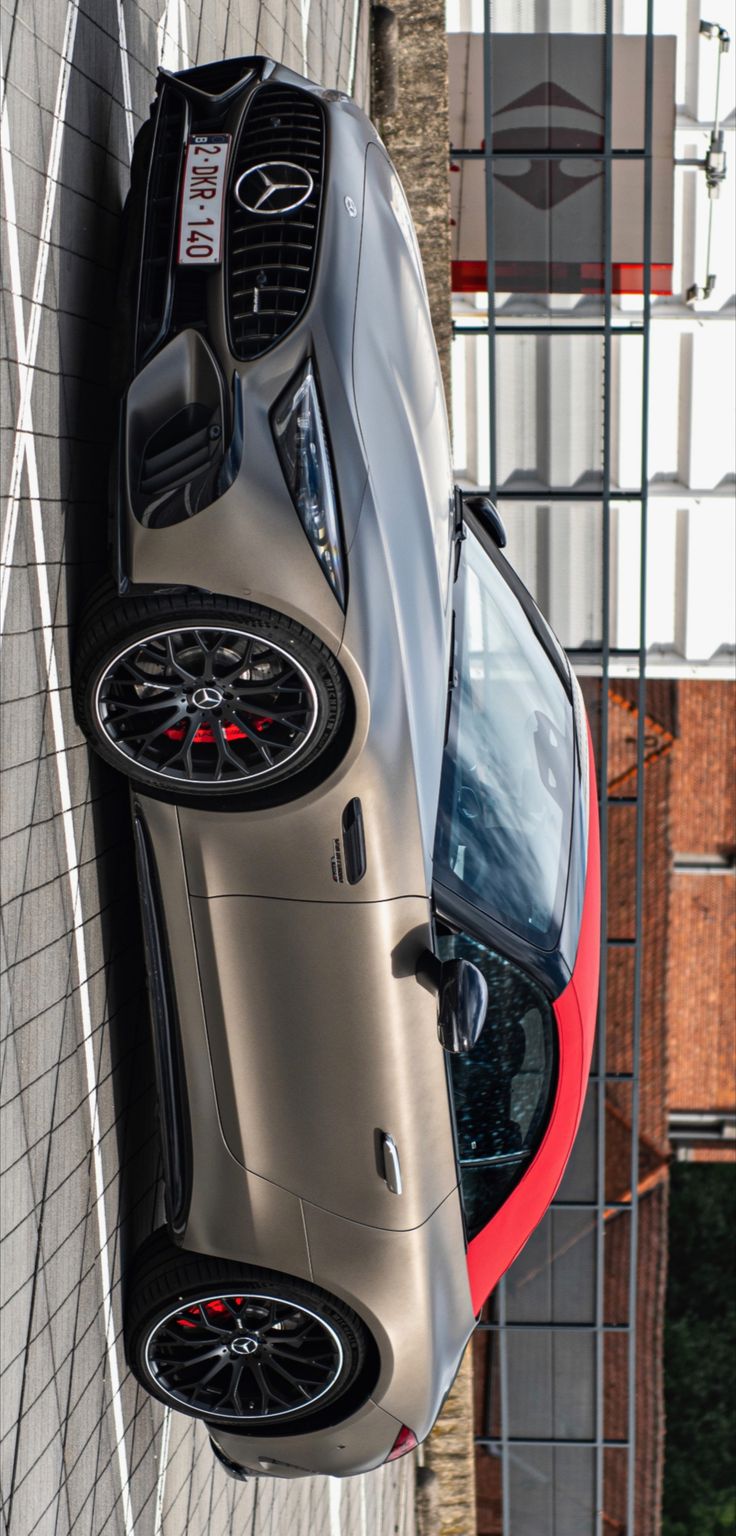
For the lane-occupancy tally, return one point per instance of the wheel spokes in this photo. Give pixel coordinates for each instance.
(224, 1356)
(179, 706)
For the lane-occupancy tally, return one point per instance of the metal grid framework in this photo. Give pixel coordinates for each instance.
(502, 1332)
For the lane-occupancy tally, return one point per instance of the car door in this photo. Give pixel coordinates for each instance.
(323, 1043)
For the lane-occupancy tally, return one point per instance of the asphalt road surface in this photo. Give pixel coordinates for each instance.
(82, 1448)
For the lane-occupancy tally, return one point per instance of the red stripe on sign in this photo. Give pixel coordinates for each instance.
(560, 277)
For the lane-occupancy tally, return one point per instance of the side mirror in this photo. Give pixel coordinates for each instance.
(488, 514)
(463, 1000)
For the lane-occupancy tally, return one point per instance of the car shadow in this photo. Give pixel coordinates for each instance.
(93, 177)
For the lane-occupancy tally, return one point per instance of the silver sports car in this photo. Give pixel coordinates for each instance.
(363, 798)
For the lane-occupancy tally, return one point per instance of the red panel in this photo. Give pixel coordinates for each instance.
(560, 277)
(496, 1247)
(627, 277)
(469, 277)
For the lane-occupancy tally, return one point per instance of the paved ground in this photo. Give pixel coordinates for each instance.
(81, 1448)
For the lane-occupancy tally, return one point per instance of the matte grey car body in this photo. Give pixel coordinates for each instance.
(286, 849)
(305, 1036)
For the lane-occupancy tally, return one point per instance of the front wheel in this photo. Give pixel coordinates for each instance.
(244, 1347)
(205, 695)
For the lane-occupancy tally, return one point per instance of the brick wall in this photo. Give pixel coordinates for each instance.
(702, 1030)
(701, 1012)
(621, 886)
(704, 769)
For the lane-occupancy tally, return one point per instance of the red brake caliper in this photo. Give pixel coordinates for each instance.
(204, 736)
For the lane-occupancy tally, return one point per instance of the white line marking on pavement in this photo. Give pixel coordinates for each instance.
(363, 1511)
(335, 1502)
(125, 75)
(163, 1461)
(28, 346)
(306, 6)
(403, 1500)
(171, 37)
(353, 47)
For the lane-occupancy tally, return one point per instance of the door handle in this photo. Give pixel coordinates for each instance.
(391, 1165)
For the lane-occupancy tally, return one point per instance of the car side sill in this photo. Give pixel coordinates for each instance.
(169, 1066)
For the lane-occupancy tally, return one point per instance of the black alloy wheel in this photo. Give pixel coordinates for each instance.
(245, 1356)
(242, 1347)
(205, 696)
(208, 705)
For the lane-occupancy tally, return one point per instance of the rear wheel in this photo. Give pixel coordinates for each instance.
(204, 695)
(244, 1347)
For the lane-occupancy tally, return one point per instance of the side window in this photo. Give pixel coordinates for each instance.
(507, 789)
(502, 1089)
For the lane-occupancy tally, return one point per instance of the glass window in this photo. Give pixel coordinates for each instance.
(503, 828)
(502, 1089)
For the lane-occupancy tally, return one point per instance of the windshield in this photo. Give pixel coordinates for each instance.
(503, 829)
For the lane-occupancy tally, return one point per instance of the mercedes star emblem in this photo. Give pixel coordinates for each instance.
(246, 1345)
(207, 698)
(276, 187)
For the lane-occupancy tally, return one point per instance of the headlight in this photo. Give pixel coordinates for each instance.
(305, 459)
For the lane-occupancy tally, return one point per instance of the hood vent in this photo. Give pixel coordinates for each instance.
(178, 421)
(270, 257)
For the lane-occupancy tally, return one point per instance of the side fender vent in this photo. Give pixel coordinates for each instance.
(181, 457)
(177, 428)
(353, 836)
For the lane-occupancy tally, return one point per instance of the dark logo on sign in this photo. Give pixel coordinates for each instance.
(547, 118)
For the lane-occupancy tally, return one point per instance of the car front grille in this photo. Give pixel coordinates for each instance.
(270, 258)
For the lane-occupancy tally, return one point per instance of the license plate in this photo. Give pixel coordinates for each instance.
(200, 212)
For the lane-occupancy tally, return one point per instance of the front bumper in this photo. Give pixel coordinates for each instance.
(359, 1444)
(201, 497)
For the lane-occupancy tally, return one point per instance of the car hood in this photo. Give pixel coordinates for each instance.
(401, 413)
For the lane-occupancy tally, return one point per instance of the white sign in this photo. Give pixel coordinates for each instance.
(200, 213)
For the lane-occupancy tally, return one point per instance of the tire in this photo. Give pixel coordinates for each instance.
(290, 1339)
(147, 695)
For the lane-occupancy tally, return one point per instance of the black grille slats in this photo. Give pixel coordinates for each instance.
(181, 457)
(270, 258)
(175, 465)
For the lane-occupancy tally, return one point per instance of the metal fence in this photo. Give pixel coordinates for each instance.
(555, 1343)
